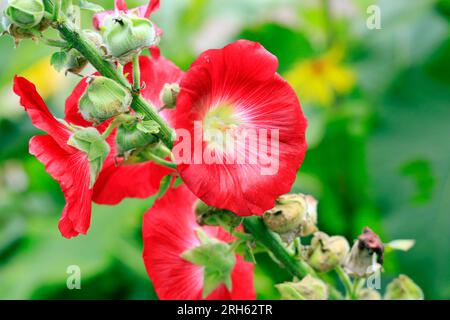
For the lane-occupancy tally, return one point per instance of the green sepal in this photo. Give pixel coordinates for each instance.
(90, 141)
(148, 126)
(164, 186)
(87, 5)
(218, 261)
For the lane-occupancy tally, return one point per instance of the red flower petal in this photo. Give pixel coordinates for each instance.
(72, 112)
(71, 170)
(152, 6)
(120, 5)
(117, 182)
(169, 230)
(38, 112)
(243, 77)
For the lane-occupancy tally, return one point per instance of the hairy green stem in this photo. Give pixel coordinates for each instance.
(345, 279)
(136, 74)
(294, 266)
(80, 42)
(56, 10)
(160, 161)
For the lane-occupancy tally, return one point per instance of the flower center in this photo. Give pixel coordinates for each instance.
(318, 66)
(219, 122)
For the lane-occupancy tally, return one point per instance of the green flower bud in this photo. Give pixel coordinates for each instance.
(169, 95)
(91, 142)
(403, 288)
(25, 13)
(326, 253)
(293, 215)
(126, 35)
(309, 288)
(211, 216)
(129, 137)
(20, 33)
(366, 255)
(369, 294)
(103, 99)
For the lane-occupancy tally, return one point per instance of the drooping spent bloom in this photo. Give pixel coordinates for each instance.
(366, 255)
(65, 163)
(120, 6)
(169, 231)
(68, 165)
(119, 180)
(247, 129)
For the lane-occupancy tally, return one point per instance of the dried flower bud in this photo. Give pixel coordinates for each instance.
(293, 215)
(25, 13)
(103, 99)
(326, 253)
(126, 35)
(369, 294)
(211, 216)
(169, 95)
(403, 288)
(366, 255)
(309, 288)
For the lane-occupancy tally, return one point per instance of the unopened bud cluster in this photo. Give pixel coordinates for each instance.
(294, 217)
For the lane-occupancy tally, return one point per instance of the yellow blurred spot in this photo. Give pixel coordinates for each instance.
(319, 80)
(46, 79)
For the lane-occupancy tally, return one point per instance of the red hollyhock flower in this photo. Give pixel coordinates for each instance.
(169, 229)
(117, 181)
(144, 11)
(70, 167)
(236, 90)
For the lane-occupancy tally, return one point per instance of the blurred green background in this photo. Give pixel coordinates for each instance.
(378, 104)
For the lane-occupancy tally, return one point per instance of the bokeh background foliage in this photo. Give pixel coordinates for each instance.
(378, 104)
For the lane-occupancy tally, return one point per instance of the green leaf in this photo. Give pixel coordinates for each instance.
(218, 261)
(148, 126)
(59, 60)
(86, 5)
(91, 142)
